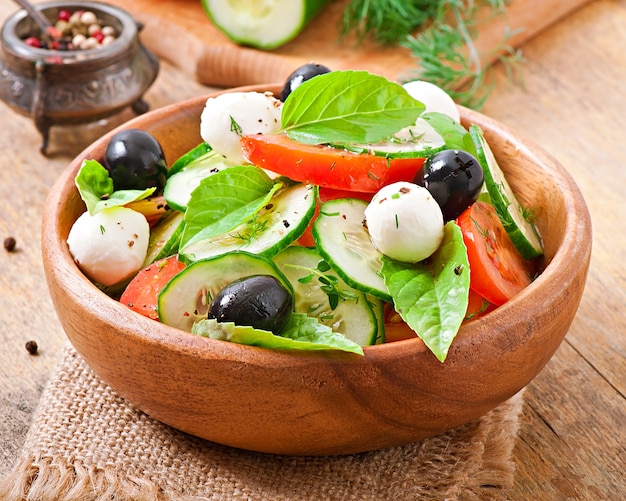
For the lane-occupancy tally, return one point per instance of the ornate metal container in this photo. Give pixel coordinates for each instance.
(78, 86)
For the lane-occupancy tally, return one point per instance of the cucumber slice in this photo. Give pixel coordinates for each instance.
(522, 232)
(353, 316)
(264, 24)
(179, 185)
(345, 244)
(187, 296)
(191, 156)
(417, 141)
(272, 229)
(164, 238)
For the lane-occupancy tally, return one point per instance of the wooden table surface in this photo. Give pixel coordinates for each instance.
(572, 441)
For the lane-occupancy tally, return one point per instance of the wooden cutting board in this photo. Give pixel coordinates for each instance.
(180, 32)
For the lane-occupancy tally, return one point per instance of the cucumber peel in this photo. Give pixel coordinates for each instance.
(189, 157)
(262, 24)
(164, 238)
(416, 141)
(522, 232)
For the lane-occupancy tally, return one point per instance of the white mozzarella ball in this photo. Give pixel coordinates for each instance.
(405, 222)
(433, 97)
(229, 116)
(111, 245)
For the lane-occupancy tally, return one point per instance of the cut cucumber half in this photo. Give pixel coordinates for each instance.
(276, 226)
(164, 238)
(187, 296)
(179, 186)
(264, 24)
(416, 141)
(345, 244)
(191, 156)
(432, 132)
(522, 232)
(353, 316)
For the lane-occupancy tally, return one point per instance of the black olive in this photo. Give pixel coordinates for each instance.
(258, 301)
(135, 161)
(454, 178)
(302, 74)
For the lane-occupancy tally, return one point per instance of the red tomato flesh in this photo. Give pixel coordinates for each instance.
(142, 292)
(477, 306)
(327, 194)
(326, 166)
(497, 270)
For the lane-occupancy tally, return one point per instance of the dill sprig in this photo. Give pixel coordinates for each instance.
(388, 22)
(440, 34)
(329, 283)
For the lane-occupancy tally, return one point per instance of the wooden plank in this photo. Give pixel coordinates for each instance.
(179, 31)
(572, 438)
(563, 446)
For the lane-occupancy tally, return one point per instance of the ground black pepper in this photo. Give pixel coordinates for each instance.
(9, 244)
(31, 347)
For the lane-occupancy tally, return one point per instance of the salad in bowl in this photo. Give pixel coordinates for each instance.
(357, 265)
(310, 223)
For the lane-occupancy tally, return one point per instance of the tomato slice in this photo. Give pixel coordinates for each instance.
(327, 194)
(497, 270)
(327, 166)
(477, 306)
(142, 292)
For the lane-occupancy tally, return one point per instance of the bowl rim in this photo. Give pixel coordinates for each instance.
(575, 247)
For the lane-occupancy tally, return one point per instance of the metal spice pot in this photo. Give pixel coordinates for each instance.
(75, 86)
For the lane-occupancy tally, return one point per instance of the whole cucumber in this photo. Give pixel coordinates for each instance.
(263, 24)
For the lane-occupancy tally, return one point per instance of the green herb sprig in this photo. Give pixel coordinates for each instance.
(330, 284)
(441, 35)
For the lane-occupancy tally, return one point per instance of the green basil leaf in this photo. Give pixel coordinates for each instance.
(348, 106)
(453, 133)
(225, 200)
(432, 296)
(96, 188)
(301, 333)
(122, 197)
(93, 183)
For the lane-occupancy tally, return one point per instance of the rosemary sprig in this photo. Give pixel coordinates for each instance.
(440, 34)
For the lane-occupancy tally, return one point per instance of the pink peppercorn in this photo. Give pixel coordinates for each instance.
(98, 35)
(64, 15)
(33, 42)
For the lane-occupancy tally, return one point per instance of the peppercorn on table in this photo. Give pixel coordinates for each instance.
(572, 440)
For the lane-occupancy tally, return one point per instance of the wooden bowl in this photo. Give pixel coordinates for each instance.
(325, 403)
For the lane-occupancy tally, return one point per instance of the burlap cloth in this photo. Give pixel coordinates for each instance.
(87, 443)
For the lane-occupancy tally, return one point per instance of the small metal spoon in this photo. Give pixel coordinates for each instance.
(44, 24)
